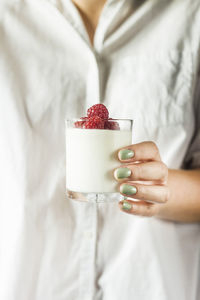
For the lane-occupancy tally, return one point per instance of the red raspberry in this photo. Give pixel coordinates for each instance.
(80, 124)
(99, 110)
(94, 122)
(112, 125)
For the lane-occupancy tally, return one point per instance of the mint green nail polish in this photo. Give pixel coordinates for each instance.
(121, 173)
(126, 154)
(128, 189)
(126, 205)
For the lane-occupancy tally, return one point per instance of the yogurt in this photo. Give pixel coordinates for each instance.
(91, 157)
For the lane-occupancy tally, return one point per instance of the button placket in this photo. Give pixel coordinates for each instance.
(95, 82)
(103, 72)
(99, 65)
(88, 252)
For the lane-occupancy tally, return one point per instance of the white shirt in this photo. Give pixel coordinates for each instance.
(144, 65)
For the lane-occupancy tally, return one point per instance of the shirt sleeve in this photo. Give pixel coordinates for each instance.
(192, 158)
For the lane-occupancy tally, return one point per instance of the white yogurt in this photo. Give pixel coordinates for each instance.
(91, 157)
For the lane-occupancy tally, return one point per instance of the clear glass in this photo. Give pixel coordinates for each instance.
(91, 157)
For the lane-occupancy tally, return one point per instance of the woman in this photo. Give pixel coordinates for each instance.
(57, 58)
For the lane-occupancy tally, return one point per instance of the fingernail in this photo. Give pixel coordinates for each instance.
(122, 173)
(128, 189)
(126, 205)
(126, 154)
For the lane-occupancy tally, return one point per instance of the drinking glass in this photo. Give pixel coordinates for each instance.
(91, 157)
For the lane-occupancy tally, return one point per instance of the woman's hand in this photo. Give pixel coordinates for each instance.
(142, 176)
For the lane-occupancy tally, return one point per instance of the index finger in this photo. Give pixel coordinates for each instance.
(145, 151)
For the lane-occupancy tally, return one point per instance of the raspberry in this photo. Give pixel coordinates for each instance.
(80, 124)
(112, 125)
(99, 110)
(94, 122)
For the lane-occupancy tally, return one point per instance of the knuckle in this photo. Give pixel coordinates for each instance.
(154, 147)
(152, 144)
(164, 170)
(166, 195)
(141, 191)
(148, 210)
(137, 171)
